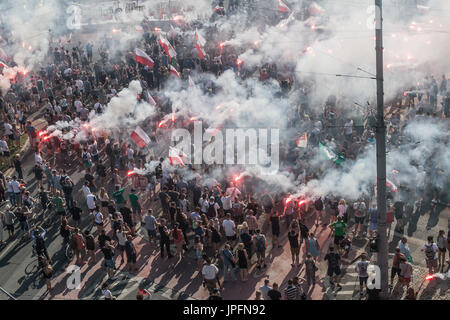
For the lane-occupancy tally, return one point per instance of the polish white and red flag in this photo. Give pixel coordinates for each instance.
(174, 71)
(391, 185)
(302, 141)
(143, 58)
(199, 44)
(140, 137)
(177, 157)
(283, 7)
(191, 83)
(150, 99)
(167, 47)
(3, 65)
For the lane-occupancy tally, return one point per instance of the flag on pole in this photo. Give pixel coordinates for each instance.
(140, 137)
(191, 83)
(177, 157)
(143, 58)
(314, 8)
(3, 65)
(329, 154)
(389, 184)
(174, 71)
(168, 49)
(302, 141)
(283, 7)
(150, 99)
(199, 44)
(200, 40)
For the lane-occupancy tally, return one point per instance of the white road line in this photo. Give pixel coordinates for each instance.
(349, 292)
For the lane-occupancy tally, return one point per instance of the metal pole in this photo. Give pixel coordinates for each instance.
(7, 293)
(382, 256)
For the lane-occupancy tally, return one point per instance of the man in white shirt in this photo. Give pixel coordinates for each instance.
(86, 189)
(38, 158)
(78, 106)
(5, 150)
(10, 191)
(209, 273)
(16, 189)
(130, 153)
(226, 203)
(8, 129)
(90, 201)
(230, 228)
(79, 84)
(265, 289)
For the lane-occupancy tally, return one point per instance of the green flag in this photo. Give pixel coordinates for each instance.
(329, 154)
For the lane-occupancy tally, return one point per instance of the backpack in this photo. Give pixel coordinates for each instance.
(260, 243)
(211, 211)
(429, 252)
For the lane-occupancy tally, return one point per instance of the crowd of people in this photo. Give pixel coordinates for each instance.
(229, 225)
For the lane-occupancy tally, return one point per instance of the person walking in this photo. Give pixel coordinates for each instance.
(47, 272)
(274, 293)
(406, 274)
(431, 255)
(241, 258)
(274, 221)
(334, 269)
(131, 252)
(395, 270)
(310, 270)
(228, 263)
(90, 245)
(295, 247)
(441, 243)
(9, 218)
(164, 240)
(150, 225)
(108, 253)
(264, 289)
(209, 273)
(361, 268)
(312, 246)
(291, 292)
(178, 240)
(260, 245)
(80, 246)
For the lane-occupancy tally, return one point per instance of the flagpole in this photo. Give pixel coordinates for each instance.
(382, 256)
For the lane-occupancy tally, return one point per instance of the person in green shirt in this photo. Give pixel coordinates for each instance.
(58, 202)
(118, 196)
(339, 230)
(135, 205)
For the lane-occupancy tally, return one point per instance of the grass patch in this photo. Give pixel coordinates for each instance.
(13, 150)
